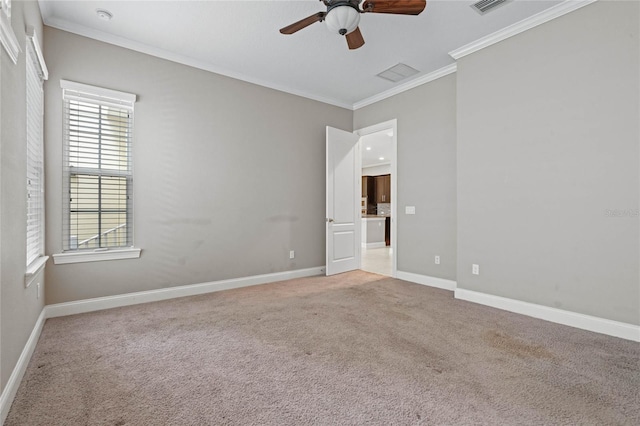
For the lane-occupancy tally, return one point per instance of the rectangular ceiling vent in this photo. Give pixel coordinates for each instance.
(398, 72)
(484, 6)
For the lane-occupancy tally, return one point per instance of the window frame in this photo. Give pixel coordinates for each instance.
(103, 97)
(8, 37)
(34, 66)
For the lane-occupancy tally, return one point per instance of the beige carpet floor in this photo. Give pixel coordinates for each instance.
(352, 349)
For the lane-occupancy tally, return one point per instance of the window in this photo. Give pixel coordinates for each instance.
(97, 168)
(7, 36)
(36, 73)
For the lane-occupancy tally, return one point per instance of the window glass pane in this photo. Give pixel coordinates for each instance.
(98, 211)
(98, 175)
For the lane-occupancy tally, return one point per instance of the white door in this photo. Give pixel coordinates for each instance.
(343, 206)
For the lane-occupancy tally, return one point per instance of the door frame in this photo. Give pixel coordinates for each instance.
(388, 125)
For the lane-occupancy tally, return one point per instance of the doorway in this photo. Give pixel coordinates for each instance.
(378, 201)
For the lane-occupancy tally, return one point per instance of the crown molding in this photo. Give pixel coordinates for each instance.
(434, 75)
(519, 27)
(83, 31)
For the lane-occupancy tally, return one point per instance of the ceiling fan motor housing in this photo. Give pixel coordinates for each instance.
(343, 17)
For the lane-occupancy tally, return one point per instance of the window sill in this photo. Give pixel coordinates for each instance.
(34, 269)
(96, 256)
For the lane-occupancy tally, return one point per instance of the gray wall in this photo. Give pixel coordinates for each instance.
(547, 143)
(229, 176)
(19, 306)
(426, 173)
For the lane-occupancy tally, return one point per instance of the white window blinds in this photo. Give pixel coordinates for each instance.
(98, 174)
(35, 157)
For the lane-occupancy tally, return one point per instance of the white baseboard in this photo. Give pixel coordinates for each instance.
(427, 280)
(559, 316)
(10, 390)
(585, 322)
(100, 303)
(380, 244)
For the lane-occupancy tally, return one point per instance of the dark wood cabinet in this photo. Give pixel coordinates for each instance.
(383, 189)
(377, 189)
(369, 191)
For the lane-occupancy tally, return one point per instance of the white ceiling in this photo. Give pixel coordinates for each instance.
(241, 39)
(380, 147)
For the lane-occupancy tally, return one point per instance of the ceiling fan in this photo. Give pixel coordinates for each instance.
(343, 16)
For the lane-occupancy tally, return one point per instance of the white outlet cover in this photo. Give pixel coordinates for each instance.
(410, 209)
(475, 269)
(437, 260)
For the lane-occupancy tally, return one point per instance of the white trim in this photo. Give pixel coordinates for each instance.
(97, 304)
(380, 244)
(393, 126)
(559, 316)
(10, 390)
(33, 39)
(98, 91)
(427, 280)
(5, 8)
(34, 269)
(96, 256)
(531, 22)
(449, 69)
(604, 326)
(519, 27)
(377, 165)
(175, 57)
(100, 303)
(8, 38)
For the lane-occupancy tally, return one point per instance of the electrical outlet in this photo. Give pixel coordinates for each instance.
(38, 291)
(475, 269)
(437, 260)
(292, 254)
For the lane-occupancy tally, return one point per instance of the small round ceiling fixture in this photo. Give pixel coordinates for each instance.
(368, 148)
(103, 14)
(381, 158)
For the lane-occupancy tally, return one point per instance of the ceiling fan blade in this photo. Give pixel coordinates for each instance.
(303, 23)
(355, 39)
(402, 7)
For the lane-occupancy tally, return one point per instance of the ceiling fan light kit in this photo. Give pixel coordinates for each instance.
(343, 16)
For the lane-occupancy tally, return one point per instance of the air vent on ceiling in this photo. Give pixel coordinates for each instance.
(398, 72)
(484, 6)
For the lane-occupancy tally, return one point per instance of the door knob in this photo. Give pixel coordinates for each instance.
(329, 220)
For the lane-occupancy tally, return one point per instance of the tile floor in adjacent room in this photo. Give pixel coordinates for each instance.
(377, 260)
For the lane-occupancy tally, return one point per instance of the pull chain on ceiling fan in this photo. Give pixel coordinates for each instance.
(343, 16)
